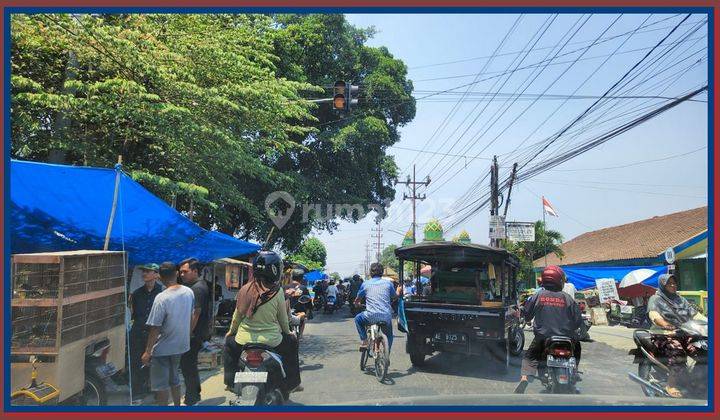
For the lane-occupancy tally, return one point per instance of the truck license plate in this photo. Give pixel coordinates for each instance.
(451, 338)
(250, 377)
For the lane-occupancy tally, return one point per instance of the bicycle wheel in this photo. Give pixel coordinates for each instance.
(382, 359)
(363, 359)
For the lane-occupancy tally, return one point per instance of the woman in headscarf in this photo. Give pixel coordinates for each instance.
(668, 311)
(261, 317)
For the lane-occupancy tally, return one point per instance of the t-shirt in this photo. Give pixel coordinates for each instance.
(332, 290)
(265, 326)
(172, 311)
(378, 294)
(408, 289)
(202, 301)
(570, 289)
(142, 301)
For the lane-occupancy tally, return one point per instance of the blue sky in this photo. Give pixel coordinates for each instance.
(585, 197)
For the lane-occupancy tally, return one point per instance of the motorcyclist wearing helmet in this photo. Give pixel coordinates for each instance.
(261, 317)
(556, 314)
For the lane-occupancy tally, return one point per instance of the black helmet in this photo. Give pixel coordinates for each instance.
(268, 267)
(298, 274)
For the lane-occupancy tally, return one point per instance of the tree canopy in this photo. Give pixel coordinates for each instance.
(312, 254)
(546, 242)
(211, 111)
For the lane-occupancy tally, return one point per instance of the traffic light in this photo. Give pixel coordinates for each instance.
(343, 95)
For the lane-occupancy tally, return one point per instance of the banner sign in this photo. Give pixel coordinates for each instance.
(497, 227)
(607, 289)
(520, 231)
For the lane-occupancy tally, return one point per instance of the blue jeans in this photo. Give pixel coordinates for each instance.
(362, 320)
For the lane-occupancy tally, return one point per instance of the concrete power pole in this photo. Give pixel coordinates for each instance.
(494, 203)
(377, 235)
(413, 197)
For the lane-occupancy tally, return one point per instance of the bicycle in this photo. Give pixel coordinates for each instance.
(378, 349)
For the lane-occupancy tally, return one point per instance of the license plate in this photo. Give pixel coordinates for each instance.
(563, 363)
(250, 377)
(451, 338)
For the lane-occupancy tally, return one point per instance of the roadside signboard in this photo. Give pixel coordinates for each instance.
(607, 289)
(497, 227)
(520, 231)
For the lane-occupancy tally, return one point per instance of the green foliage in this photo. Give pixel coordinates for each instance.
(312, 254)
(545, 241)
(212, 109)
(335, 276)
(388, 258)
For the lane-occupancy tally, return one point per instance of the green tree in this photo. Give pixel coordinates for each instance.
(388, 258)
(312, 254)
(210, 111)
(335, 276)
(546, 241)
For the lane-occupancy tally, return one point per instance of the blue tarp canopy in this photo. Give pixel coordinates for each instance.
(584, 277)
(61, 208)
(313, 276)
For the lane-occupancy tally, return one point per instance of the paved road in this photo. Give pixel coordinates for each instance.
(331, 374)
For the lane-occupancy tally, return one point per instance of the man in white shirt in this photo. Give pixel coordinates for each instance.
(332, 290)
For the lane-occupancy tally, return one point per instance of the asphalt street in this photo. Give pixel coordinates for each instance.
(331, 374)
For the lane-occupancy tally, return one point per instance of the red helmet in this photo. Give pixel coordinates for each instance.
(553, 275)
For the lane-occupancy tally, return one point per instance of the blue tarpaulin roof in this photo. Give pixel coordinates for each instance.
(313, 276)
(584, 277)
(59, 208)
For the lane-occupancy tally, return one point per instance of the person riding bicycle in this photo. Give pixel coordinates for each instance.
(556, 314)
(261, 317)
(379, 293)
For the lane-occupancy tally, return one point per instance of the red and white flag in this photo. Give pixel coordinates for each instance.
(548, 208)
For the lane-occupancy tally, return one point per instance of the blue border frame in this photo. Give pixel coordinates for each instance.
(350, 10)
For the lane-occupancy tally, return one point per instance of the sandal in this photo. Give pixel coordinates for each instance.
(673, 392)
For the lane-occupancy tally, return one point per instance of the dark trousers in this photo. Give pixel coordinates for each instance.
(189, 368)
(536, 351)
(140, 377)
(288, 350)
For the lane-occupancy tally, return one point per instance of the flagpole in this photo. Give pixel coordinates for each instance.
(545, 229)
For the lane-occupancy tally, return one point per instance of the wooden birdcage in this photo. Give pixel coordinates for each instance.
(61, 303)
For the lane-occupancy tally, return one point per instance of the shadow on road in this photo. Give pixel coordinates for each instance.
(485, 367)
(316, 366)
(213, 401)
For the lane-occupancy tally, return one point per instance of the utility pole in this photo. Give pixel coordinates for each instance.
(512, 180)
(413, 185)
(377, 235)
(493, 194)
(367, 258)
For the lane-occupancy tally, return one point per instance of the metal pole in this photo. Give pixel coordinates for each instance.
(512, 180)
(413, 205)
(544, 230)
(118, 170)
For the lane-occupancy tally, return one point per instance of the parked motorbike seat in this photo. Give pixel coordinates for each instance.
(557, 338)
(643, 338)
(258, 346)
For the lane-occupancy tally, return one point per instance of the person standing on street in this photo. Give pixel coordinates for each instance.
(168, 336)
(200, 328)
(141, 301)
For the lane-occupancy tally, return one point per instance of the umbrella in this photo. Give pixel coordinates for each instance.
(636, 277)
(632, 284)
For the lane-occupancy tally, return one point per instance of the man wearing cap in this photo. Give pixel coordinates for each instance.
(141, 301)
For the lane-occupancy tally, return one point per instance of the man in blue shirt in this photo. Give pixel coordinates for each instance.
(379, 294)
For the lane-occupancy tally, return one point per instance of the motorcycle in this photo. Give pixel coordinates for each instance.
(260, 378)
(319, 302)
(653, 371)
(300, 307)
(584, 335)
(329, 305)
(621, 314)
(558, 372)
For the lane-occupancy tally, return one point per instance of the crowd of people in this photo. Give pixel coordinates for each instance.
(170, 315)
